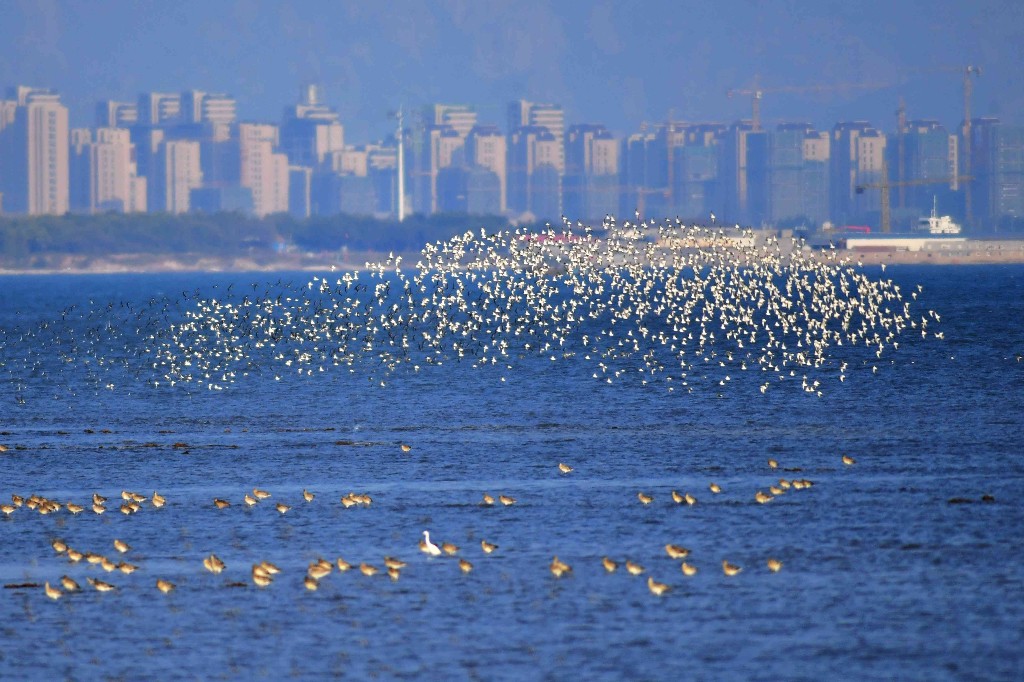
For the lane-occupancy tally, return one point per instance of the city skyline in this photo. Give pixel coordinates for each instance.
(623, 63)
(186, 151)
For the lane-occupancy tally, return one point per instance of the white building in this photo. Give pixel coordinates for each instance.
(263, 171)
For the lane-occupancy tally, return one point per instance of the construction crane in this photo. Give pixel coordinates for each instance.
(968, 86)
(901, 134)
(967, 73)
(757, 94)
(886, 187)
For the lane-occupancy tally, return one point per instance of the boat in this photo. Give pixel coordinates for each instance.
(930, 232)
(936, 224)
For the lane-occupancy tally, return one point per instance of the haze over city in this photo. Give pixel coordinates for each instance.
(614, 63)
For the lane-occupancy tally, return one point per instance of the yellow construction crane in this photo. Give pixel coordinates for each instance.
(885, 186)
(757, 94)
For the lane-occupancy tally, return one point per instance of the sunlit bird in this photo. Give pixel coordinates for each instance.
(428, 547)
(676, 551)
(657, 588)
(559, 567)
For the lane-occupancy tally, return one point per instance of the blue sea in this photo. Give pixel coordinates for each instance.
(892, 568)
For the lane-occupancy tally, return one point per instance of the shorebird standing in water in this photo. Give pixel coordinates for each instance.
(559, 567)
(676, 551)
(428, 547)
(657, 588)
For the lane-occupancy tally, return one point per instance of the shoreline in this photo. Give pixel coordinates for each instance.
(136, 264)
(981, 253)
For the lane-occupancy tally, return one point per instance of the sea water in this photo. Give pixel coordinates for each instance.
(893, 568)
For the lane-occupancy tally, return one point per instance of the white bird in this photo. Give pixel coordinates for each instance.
(428, 546)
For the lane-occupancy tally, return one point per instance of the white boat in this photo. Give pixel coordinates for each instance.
(936, 224)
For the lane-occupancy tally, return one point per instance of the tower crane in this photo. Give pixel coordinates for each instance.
(885, 186)
(966, 73)
(968, 86)
(757, 93)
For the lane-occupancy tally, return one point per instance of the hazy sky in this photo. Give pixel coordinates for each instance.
(617, 63)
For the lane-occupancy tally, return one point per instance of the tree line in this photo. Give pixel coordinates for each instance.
(222, 234)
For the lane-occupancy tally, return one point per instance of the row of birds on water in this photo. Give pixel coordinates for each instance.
(694, 307)
(133, 501)
(263, 573)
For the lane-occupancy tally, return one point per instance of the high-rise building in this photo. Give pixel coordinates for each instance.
(695, 191)
(522, 113)
(590, 188)
(373, 194)
(997, 169)
(111, 114)
(743, 175)
(263, 170)
(34, 152)
(486, 149)
(350, 161)
(311, 131)
(300, 189)
(103, 173)
(856, 155)
(460, 117)
(533, 180)
(644, 173)
(799, 176)
(159, 109)
(1008, 199)
(176, 173)
(434, 148)
(147, 141)
(79, 191)
(929, 156)
(207, 107)
(382, 164)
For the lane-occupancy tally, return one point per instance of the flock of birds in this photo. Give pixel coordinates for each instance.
(263, 573)
(672, 305)
(694, 306)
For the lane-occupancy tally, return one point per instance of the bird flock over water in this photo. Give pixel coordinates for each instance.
(263, 573)
(680, 307)
(670, 305)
